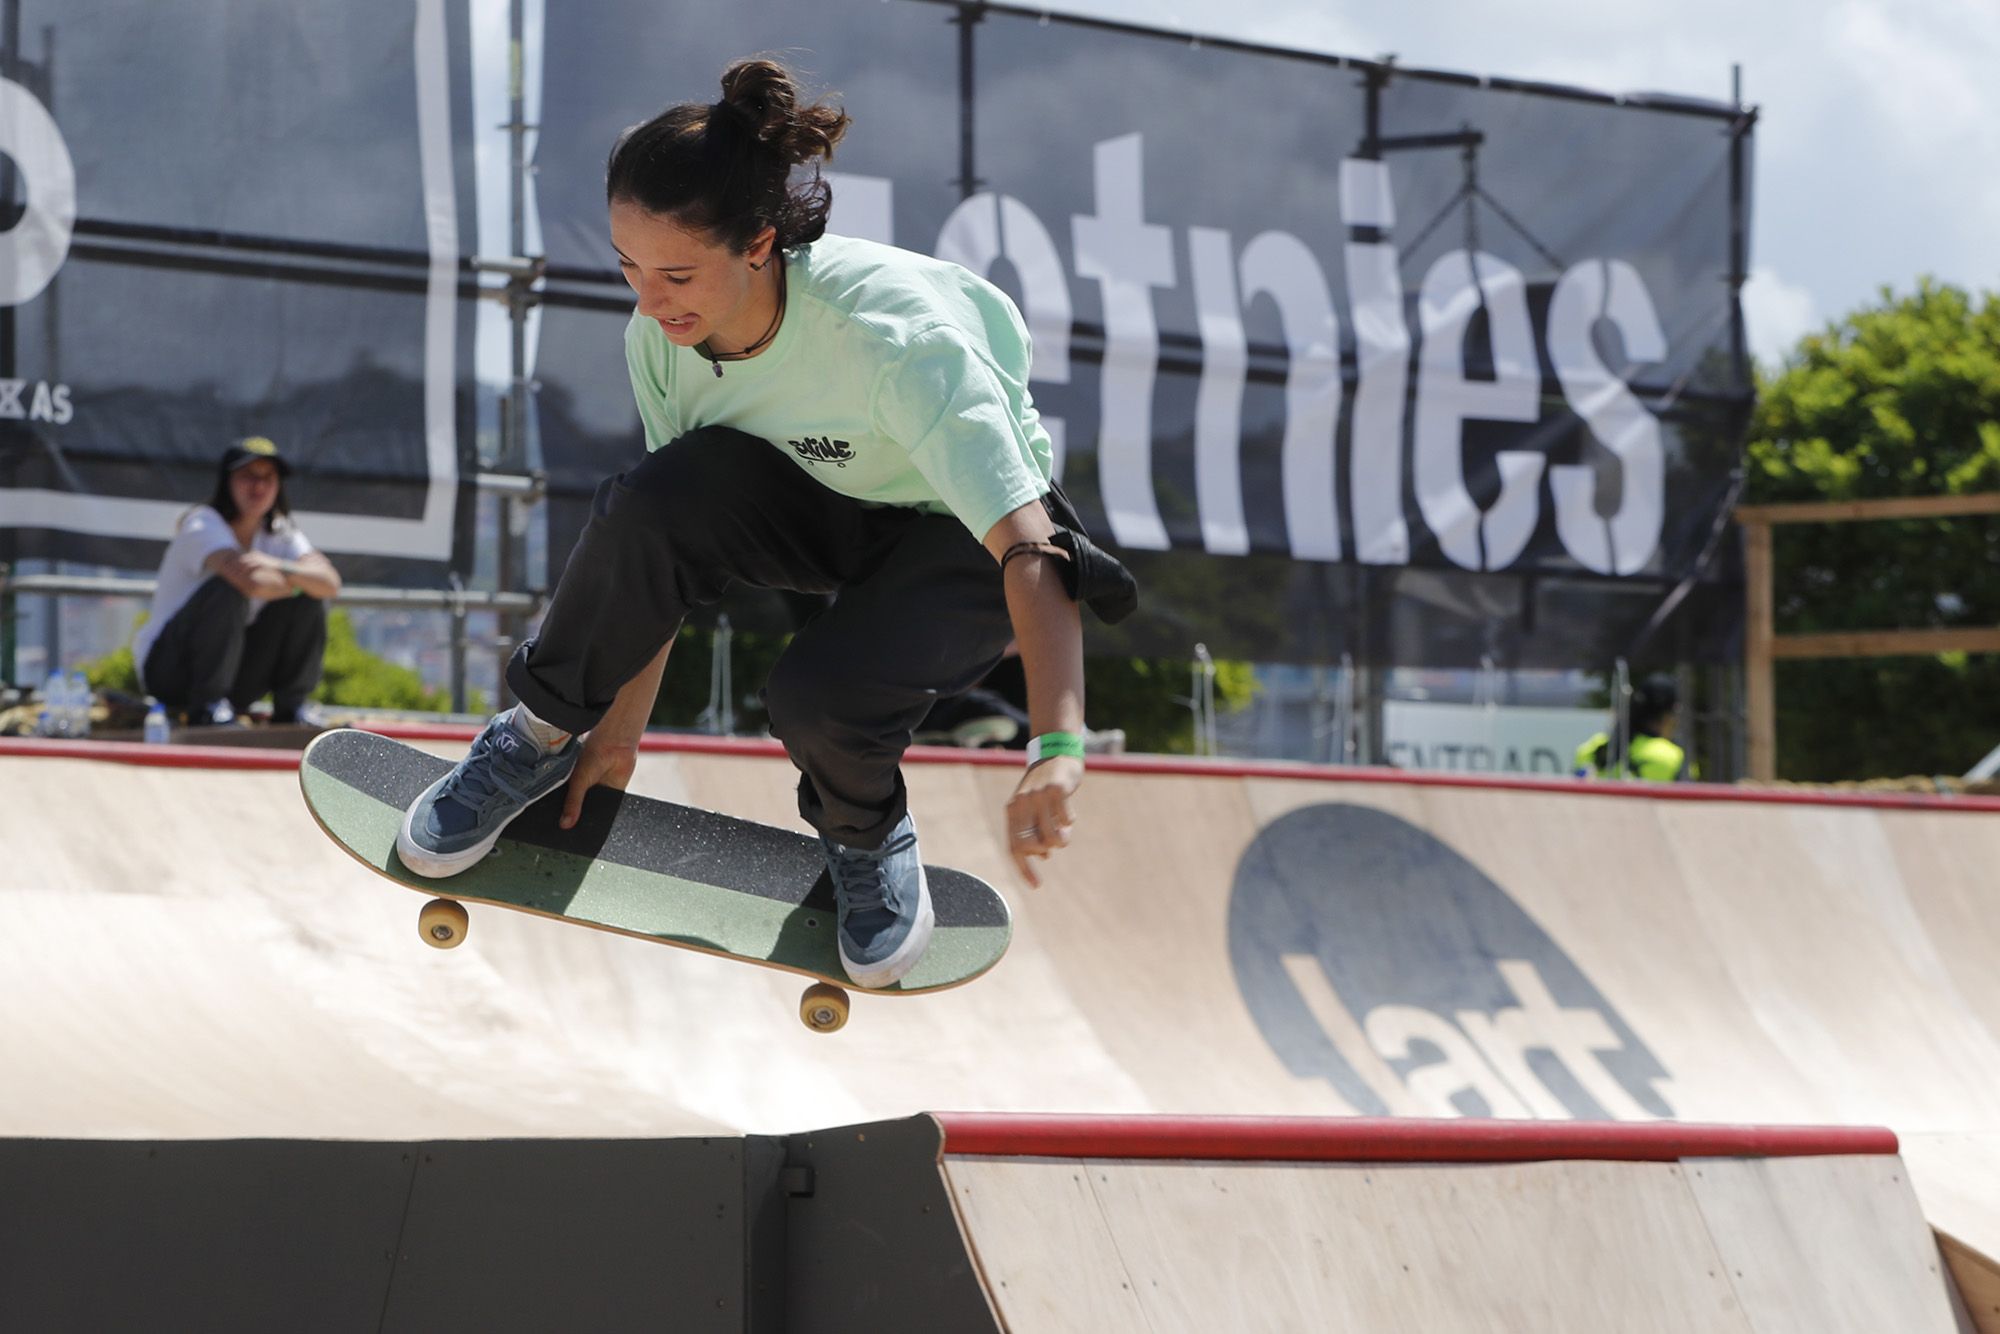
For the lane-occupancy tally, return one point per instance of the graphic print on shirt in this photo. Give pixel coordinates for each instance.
(823, 449)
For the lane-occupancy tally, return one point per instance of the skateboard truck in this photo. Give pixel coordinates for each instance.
(443, 923)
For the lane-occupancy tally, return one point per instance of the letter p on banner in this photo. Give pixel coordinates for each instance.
(35, 247)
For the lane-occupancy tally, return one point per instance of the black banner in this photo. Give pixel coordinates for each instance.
(247, 217)
(1342, 358)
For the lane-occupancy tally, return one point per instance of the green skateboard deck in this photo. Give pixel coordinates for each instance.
(645, 868)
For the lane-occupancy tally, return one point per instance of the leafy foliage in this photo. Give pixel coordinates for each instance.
(1901, 398)
(113, 671)
(356, 677)
(1148, 697)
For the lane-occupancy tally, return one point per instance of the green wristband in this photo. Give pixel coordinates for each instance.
(1051, 744)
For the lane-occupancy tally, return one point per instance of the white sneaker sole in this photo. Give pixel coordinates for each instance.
(440, 865)
(889, 971)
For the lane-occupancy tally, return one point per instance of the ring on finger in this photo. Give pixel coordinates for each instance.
(1025, 833)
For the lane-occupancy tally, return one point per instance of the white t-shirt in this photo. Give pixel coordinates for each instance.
(203, 533)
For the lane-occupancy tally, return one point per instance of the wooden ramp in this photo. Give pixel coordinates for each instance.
(1656, 1240)
(184, 955)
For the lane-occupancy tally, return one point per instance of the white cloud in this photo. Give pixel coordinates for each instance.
(1776, 315)
(1918, 73)
(1929, 137)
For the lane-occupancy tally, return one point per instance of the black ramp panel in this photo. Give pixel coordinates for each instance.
(874, 1245)
(250, 1235)
(600, 1235)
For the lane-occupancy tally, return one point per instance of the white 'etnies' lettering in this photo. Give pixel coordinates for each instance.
(1453, 291)
(989, 227)
(1128, 257)
(1609, 511)
(1623, 542)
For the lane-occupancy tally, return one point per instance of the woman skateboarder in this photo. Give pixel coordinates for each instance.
(824, 415)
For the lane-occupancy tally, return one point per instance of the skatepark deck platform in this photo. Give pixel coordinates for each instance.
(968, 1223)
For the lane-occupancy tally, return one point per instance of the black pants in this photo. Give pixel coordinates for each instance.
(205, 652)
(919, 613)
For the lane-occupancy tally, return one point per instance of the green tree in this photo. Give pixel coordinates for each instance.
(363, 680)
(1900, 398)
(1148, 698)
(113, 671)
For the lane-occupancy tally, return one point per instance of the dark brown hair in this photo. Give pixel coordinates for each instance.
(223, 502)
(725, 168)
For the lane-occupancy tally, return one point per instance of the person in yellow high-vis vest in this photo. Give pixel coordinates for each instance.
(1652, 755)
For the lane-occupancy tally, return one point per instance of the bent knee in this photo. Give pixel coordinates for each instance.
(679, 486)
(810, 694)
(699, 463)
(298, 607)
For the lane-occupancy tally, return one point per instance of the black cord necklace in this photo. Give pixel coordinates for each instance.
(715, 359)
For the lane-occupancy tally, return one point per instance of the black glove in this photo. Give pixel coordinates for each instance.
(1096, 578)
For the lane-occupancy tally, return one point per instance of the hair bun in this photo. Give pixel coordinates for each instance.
(760, 92)
(763, 95)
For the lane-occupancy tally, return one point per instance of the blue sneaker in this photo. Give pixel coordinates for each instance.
(884, 906)
(459, 818)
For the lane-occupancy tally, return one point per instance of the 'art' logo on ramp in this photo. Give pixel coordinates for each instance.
(1374, 956)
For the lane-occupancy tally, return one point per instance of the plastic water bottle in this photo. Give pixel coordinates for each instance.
(49, 719)
(158, 730)
(61, 716)
(80, 700)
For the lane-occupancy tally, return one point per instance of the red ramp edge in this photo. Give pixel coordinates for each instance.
(156, 755)
(1378, 1139)
(1158, 766)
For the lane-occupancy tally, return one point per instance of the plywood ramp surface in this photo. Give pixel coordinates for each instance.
(1807, 909)
(1978, 1278)
(182, 953)
(1819, 1245)
(1829, 1245)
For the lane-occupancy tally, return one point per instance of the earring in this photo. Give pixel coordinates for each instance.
(759, 267)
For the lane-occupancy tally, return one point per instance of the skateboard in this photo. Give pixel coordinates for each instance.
(646, 868)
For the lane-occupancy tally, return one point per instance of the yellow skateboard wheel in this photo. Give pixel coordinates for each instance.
(442, 923)
(823, 1008)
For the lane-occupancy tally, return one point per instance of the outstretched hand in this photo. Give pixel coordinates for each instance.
(1038, 814)
(608, 762)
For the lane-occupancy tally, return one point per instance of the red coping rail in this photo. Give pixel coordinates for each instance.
(693, 743)
(1389, 1139)
(162, 756)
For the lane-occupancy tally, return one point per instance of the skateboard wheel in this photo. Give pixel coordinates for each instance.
(823, 1007)
(442, 923)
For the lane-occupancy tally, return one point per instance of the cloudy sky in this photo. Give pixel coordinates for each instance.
(1878, 143)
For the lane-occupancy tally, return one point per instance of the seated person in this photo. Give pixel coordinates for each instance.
(239, 608)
